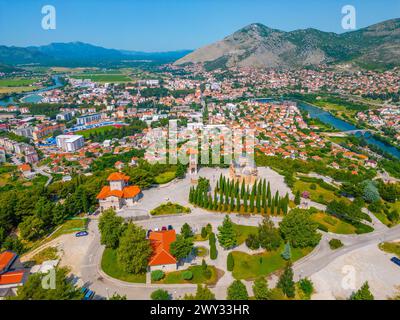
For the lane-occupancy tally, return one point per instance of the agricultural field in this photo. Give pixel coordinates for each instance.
(17, 82)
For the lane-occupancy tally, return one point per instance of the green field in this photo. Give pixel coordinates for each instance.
(96, 77)
(17, 82)
(333, 224)
(110, 266)
(198, 276)
(250, 267)
(87, 133)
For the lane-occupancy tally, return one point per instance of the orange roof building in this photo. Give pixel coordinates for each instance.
(118, 193)
(10, 275)
(160, 242)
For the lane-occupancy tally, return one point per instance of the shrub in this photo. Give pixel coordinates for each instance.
(313, 186)
(362, 228)
(230, 262)
(157, 275)
(322, 227)
(160, 295)
(252, 242)
(306, 286)
(335, 244)
(204, 232)
(187, 275)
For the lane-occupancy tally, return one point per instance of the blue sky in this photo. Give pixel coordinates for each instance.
(162, 25)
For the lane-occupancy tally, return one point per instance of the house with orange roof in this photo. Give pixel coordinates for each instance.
(118, 193)
(12, 273)
(161, 258)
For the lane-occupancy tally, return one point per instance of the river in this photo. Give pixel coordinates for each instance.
(33, 96)
(328, 118)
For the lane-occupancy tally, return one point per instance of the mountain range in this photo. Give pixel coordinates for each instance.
(256, 45)
(79, 54)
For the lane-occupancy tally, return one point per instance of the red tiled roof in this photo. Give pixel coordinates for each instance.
(160, 241)
(117, 176)
(127, 192)
(12, 277)
(5, 259)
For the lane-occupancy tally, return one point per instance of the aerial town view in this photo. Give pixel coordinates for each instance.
(196, 157)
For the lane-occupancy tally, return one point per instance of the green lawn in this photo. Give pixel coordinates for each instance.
(165, 177)
(95, 77)
(333, 224)
(250, 267)
(49, 253)
(198, 276)
(169, 208)
(110, 266)
(319, 195)
(243, 232)
(70, 226)
(391, 247)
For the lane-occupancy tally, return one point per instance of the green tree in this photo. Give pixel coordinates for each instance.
(31, 228)
(227, 236)
(186, 231)
(111, 227)
(181, 247)
(160, 294)
(237, 291)
(286, 282)
(268, 236)
(34, 290)
(363, 293)
(297, 199)
(202, 293)
(287, 253)
(299, 229)
(134, 249)
(260, 289)
(117, 296)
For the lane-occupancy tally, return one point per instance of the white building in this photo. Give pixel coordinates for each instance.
(70, 143)
(88, 119)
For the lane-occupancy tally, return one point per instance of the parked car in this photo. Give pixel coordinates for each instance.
(164, 228)
(156, 229)
(84, 290)
(170, 227)
(148, 233)
(89, 295)
(396, 261)
(81, 234)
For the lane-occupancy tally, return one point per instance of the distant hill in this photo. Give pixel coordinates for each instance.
(79, 54)
(377, 46)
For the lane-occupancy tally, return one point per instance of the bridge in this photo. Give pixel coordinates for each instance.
(358, 132)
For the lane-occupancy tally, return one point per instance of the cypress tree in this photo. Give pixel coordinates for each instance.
(245, 207)
(232, 206)
(252, 202)
(264, 196)
(297, 199)
(238, 202)
(242, 190)
(269, 194)
(258, 205)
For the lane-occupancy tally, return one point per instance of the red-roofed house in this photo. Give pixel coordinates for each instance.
(118, 193)
(12, 274)
(161, 258)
